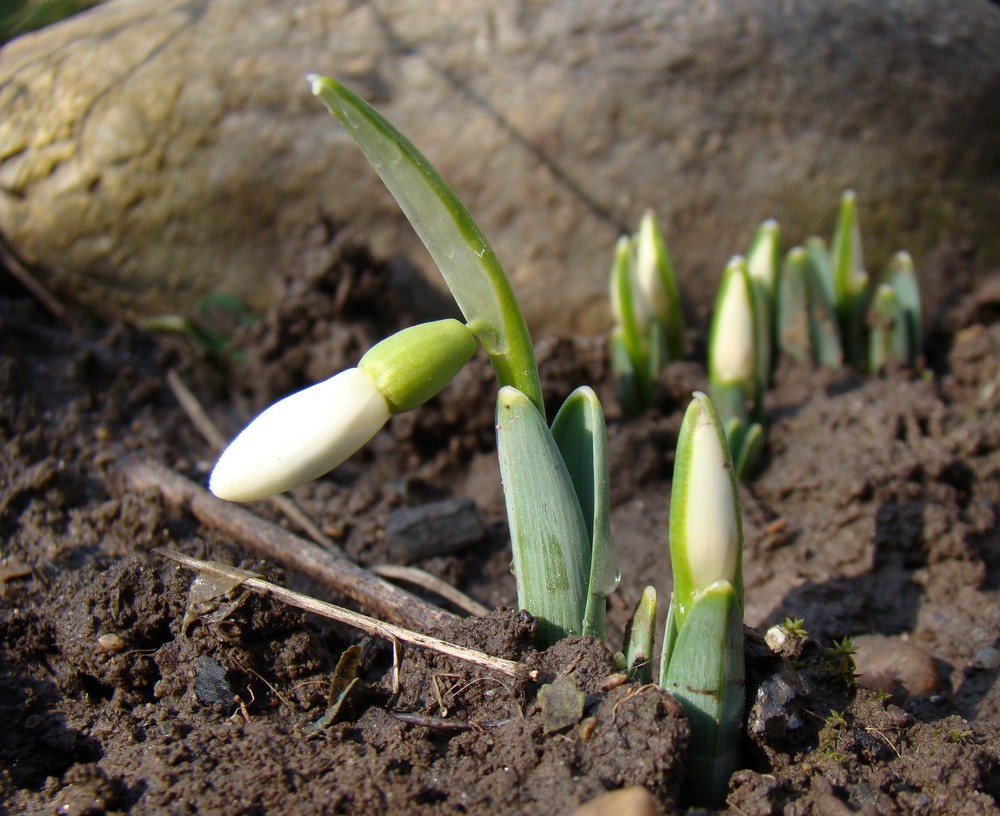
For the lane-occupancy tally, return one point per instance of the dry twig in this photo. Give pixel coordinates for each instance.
(365, 623)
(273, 542)
(432, 583)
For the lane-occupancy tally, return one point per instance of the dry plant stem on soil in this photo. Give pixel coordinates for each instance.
(270, 541)
(366, 624)
(432, 583)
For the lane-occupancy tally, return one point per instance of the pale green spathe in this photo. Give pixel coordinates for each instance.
(414, 364)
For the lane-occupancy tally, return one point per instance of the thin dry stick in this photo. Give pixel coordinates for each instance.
(28, 281)
(213, 436)
(432, 583)
(371, 626)
(271, 541)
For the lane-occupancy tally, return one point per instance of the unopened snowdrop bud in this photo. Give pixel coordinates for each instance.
(310, 432)
(653, 269)
(732, 351)
(416, 363)
(301, 437)
(706, 529)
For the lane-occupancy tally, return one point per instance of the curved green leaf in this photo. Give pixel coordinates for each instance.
(455, 242)
(580, 434)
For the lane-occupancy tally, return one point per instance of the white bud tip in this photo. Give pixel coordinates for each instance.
(301, 437)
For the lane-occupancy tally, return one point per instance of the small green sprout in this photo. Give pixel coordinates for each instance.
(839, 660)
(648, 329)
(807, 323)
(735, 373)
(894, 318)
(827, 312)
(795, 628)
(639, 636)
(763, 266)
(702, 663)
(850, 281)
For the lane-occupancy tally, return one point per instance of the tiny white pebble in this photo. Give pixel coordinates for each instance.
(111, 643)
(988, 657)
(775, 638)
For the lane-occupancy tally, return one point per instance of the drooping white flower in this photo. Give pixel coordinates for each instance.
(301, 437)
(312, 431)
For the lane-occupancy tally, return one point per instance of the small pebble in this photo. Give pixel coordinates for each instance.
(634, 801)
(438, 528)
(111, 643)
(895, 666)
(988, 658)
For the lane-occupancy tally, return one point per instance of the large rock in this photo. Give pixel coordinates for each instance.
(154, 150)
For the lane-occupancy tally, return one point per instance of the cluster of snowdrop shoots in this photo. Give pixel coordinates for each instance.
(555, 476)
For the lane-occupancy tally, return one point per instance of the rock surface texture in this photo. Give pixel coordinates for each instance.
(152, 151)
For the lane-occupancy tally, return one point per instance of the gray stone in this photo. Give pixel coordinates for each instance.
(152, 151)
(437, 528)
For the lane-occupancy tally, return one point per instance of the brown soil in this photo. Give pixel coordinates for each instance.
(875, 514)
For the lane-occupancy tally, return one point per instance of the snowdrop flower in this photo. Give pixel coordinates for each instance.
(309, 433)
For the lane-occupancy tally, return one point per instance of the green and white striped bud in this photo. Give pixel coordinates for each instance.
(703, 662)
(310, 432)
(706, 528)
(732, 350)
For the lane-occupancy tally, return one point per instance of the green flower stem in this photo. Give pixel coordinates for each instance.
(469, 266)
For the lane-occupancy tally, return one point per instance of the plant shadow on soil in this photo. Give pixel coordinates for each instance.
(874, 516)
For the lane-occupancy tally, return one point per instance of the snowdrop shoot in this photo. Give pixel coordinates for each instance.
(702, 663)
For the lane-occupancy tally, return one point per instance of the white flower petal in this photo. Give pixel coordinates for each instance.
(301, 437)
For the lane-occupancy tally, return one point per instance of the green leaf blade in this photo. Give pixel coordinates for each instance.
(707, 674)
(580, 434)
(467, 262)
(549, 537)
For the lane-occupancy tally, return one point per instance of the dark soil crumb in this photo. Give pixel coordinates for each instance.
(875, 515)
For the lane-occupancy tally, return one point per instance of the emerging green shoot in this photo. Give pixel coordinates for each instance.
(702, 663)
(735, 374)
(850, 281)
(894, 317)
(763, 265)
(648, 329)
(639, 636)
(826, 312)
(807, 322)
